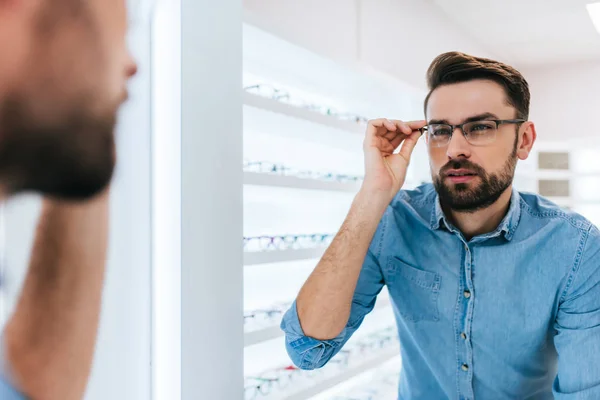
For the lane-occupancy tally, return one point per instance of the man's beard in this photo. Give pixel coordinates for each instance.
(462, 197)
(70, 156)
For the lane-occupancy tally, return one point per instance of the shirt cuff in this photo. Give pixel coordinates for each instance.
(307, 352)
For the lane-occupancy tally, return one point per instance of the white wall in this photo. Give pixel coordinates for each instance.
(396, 37)
(565, 102)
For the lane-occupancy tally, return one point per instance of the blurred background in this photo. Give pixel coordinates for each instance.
(240, 153)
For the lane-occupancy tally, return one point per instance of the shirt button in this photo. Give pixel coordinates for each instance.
(463, 335)
(467, 294)
(465, 367)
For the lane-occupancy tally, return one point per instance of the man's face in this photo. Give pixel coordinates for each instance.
(471, 177)
(60, 93)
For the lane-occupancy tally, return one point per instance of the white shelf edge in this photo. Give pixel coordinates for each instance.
(263, 179)
(262, 335)
(275, 256)
(273, 332)
(345, 376)
(264, 103)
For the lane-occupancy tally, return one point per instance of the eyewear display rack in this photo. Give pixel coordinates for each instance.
(297, 117)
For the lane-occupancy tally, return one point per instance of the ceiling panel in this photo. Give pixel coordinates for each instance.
(528, 32)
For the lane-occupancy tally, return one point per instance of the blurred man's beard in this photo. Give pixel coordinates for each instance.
(68, 157)
(473, 196)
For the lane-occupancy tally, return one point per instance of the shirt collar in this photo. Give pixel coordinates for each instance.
(507, 227)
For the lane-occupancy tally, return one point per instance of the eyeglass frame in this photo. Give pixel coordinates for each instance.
(461, 126)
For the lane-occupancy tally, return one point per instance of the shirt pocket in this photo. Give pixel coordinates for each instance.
(414, 291)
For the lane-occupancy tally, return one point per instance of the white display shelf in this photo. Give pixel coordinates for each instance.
(273, 332)
(278, 107)
(263, 335)
(348, 374)
(276, 256)
(263, 179)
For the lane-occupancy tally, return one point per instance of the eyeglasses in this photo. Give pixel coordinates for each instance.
(265, 167)
(268, 91)
(477, 133)
(286, 242)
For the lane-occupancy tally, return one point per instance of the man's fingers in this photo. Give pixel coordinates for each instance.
(407, 127)
(397, 140)
(390, 135)
(382, 123)
(403, 127)
(385, 146)
(415, 125)
(409, 145)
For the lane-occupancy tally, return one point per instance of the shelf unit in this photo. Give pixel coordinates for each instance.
(273, 332)
(330, 382)
(262, 179)
(268, 125)
(281, 256)
(278, 107)
(572, 168)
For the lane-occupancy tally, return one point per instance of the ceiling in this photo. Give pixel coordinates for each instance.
(528, 33)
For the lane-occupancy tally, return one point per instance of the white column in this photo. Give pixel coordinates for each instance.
(211, 200)
(198, 329)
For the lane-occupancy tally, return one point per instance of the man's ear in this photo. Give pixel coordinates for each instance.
(527, 137)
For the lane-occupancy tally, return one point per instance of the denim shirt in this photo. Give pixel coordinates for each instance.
(512, 314)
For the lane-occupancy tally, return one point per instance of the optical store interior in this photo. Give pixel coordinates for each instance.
(240, 154)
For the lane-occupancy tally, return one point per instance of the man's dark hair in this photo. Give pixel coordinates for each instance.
(456, 67)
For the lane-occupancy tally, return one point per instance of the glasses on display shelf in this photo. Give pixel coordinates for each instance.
(286, 242)
(270, 315)
(371, 343)
(265, 167)
(277, 379)
(281, 378)
(269, 91)
(378, 340)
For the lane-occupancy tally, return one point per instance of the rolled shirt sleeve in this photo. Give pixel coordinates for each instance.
(309, 353)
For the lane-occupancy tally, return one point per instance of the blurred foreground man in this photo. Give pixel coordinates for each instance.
(496, 293)
(63, 73)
